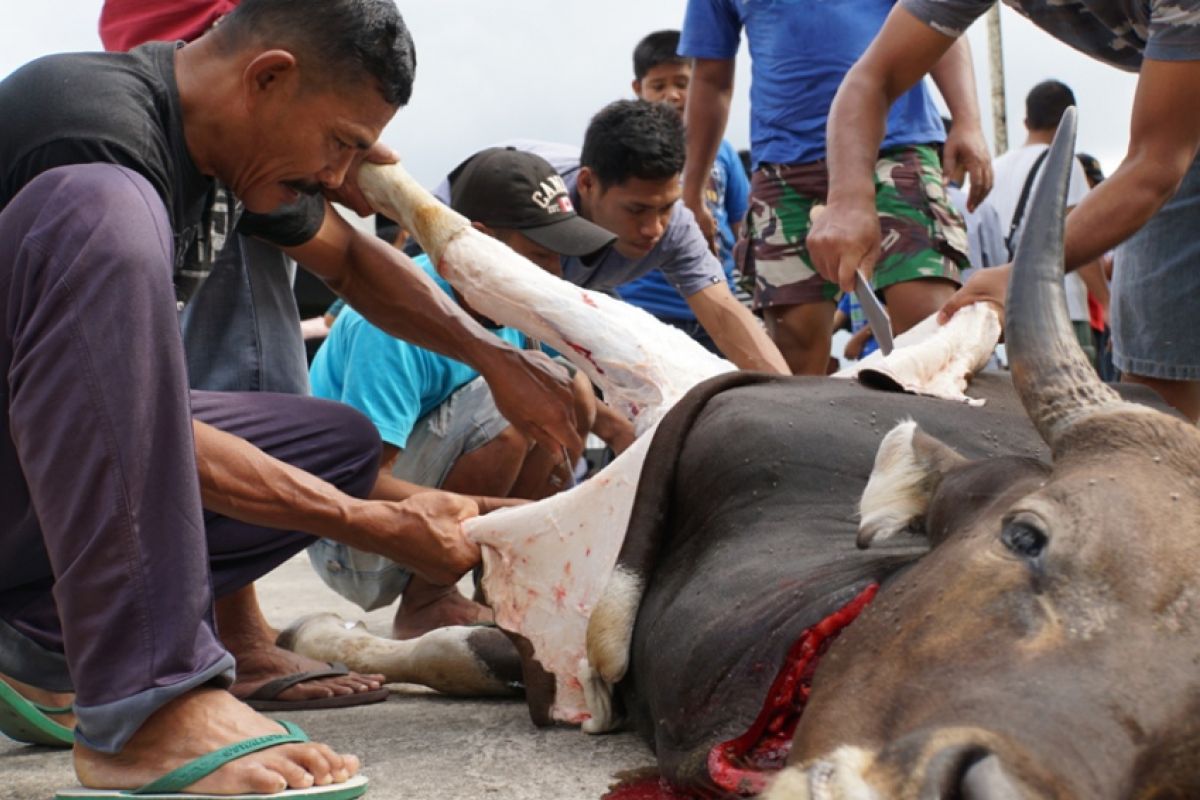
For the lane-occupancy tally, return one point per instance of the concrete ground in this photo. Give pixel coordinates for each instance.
(416, 745)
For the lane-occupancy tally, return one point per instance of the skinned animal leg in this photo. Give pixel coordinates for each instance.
(462, 660)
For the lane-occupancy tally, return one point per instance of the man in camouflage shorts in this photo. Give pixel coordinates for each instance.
(801, 53)
(924, 238)
(1149, 209)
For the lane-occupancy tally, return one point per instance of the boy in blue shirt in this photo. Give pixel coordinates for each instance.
(661, 76)
(438, 421)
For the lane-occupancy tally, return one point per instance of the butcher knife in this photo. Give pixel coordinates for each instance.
(876, 314)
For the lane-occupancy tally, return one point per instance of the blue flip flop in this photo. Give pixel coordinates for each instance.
(30, 723)
(171, 785)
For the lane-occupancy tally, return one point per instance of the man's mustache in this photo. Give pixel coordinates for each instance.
(310, 188)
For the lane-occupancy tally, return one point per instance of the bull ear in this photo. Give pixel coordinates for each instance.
(908, 468)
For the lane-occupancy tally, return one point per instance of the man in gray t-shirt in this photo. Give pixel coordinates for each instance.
(626, 179)
(1150, 206)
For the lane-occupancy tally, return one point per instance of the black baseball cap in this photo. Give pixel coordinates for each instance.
(503, 187)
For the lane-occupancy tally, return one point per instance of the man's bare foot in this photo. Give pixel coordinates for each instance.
(198, 723)
(425, 606)
(251, 640)
(45, 698)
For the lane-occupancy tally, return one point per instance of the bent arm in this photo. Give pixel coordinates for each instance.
(242, 482)
(1164, 137)
(846, 238)
(735, 330)
(393, 293)
(399, 298)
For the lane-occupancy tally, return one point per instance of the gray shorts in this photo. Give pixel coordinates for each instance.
(1156, 291)
(465, 422)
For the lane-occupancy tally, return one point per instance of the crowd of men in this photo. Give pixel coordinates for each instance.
(160, 451)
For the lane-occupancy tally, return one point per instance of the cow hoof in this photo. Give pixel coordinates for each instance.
(599, 697)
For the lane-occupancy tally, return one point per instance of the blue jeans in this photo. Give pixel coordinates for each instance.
(241, 331)
(1156, 291)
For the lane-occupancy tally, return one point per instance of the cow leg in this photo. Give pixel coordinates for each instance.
(463, 660)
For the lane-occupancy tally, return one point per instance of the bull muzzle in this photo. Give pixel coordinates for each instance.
(925, 769)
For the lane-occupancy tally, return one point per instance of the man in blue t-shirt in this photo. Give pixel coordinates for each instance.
(436, 416)
(800, 52)
(662, 76)
(1150, 206)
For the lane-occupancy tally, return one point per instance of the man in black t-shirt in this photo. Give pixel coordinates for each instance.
(128, 503)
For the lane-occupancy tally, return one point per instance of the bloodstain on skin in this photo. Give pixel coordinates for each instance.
(583, 351)
(560, 595)
(743, 766)
(588, 300)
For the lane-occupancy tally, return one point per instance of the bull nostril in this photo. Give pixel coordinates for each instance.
(987, 780)
(947, 770)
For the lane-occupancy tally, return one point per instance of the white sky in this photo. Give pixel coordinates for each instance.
(495, 69)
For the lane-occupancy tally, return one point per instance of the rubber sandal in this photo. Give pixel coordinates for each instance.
(264, 698)
(171, 785)
(30, 723)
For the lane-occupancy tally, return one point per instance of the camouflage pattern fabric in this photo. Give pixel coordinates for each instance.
(923, 234)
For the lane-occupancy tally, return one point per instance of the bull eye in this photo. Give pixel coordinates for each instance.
(1023, 539)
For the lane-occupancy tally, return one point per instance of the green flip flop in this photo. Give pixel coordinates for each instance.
(171, 785)
(30, 723)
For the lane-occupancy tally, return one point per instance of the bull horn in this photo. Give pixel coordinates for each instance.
(1057, 385)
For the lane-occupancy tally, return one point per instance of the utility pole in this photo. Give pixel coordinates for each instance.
(996, 62)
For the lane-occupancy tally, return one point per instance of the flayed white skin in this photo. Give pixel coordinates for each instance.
(440, 659)
(837, 777)
(547, 564)
(938, 360)
(642, 365)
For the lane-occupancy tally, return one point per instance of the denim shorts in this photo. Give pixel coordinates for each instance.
(1156, 291)
(465, 422)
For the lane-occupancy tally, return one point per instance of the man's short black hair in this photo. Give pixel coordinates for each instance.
(344, 37)
(660, 47)
(633, 139)
(1046, 103)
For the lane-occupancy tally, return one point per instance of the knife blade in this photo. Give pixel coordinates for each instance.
(876, 314)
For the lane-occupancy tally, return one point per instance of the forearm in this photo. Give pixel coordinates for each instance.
(903, 52)
(240, 481)
(1118, 207)
(736, 332)
(1163, 138)
(709, 95)
(395, 295)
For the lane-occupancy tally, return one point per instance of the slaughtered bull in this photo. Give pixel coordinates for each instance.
(1036, 643)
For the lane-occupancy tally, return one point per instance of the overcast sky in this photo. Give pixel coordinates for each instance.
(495, 69)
